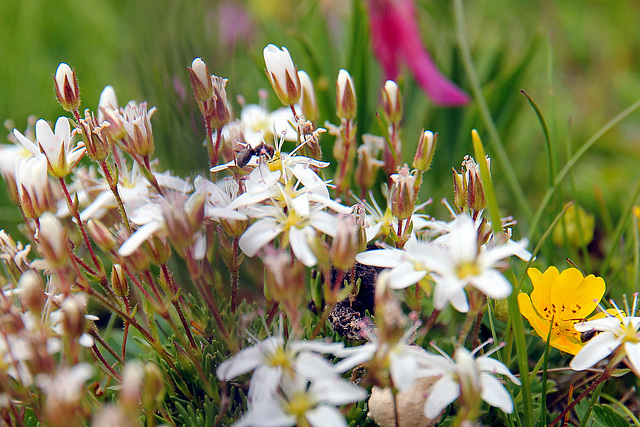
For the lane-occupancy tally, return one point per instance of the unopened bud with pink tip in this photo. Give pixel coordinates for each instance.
(282, 74)
(66, 85)
(345, 96)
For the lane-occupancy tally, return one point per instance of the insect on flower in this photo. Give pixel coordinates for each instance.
(244, 156)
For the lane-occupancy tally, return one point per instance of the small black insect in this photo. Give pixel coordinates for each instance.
(244, 156)
(587, 335)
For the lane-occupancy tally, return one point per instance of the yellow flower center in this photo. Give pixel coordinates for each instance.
(466, 269)
(298, 405)
(630, 333)
(280, 358)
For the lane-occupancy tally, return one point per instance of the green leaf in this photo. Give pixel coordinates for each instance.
(607, 416)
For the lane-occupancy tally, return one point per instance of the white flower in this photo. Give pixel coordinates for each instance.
(468, 377)
(302, 403)
(298, 223)
(403, 359)
(272, 358)
(614, 331)
(454, 261)
(56, 146)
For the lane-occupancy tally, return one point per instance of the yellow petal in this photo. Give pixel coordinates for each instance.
(575, 296)
(540, 325)
(540, 297)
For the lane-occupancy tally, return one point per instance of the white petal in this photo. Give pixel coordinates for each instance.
(372, 231)
(493, 366)
(324, 222)
(299, 241)
(104, 200)
(246, 360)
(493, 284)
(264, 384)
(494, 393)
(300, 205)
(331, 204)
(336, 391)
(596, 349)
(311, 181)
(604, 324)
(404, 275)
(28, 144)
(387, 258)
(317, 346)
(258, 235)
(266, 414)
(326, 416)
(633, 354)
(441, 394)
(403, 370)
(355, 356)
(199, 247)
(313, 366)
(86, 341)
(139, 237)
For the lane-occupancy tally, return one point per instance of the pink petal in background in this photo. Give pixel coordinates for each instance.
(396, 36)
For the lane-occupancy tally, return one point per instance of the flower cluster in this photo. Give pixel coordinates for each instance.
(116, 233)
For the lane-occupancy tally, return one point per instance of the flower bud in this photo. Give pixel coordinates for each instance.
(152, 386)
(475, 190)
(66, 85)
(459, 191)
(577, 226)
(138, 132)
(424, 152)
(158, 249)
(390, 319)
(119, 282)
(132, 382)
(115, 131)
(392, 102)
(73, 320)
(200, 80)
(368, 162)
(403, 194)
(108, 99)
(282, 74)
(97, 146)
(217, 106)
(284, 282)
(345, 96)
(344, 246)
(308, 97)
(53, 240)
(101, 235)
(32, 294)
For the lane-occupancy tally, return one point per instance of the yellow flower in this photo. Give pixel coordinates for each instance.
(565, 298)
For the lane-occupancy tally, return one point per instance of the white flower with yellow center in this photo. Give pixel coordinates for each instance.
(614, 332)
(297, 224)
(467, 377)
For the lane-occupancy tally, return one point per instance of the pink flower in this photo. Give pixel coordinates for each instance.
(396, 37)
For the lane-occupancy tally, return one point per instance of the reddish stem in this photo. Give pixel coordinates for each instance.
(74, 211)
